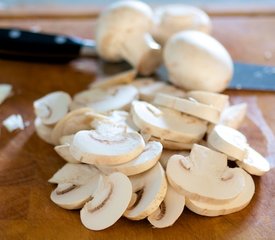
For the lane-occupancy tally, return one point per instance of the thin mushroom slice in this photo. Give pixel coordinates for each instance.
(73, 122)
(147, 159)
(104, 100)
(169, 210)
(105, 148)
(5, 91)
(52, 107)
(43, 131)
(189, 106)
(234, 115)
(205, 176)
(254, 163)
(117, 79)
(108, 203)
(235, 205)
(217, 100)
(166, 154)
(149, 189)
(172, 145)
(228, 141)
(166, 123)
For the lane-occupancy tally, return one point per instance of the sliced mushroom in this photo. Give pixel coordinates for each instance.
(191, 107)
(172, 145)
(147, 159)
(167, 123)
(5, 91)
(234, 115)
(228, 141)
(76, 185)
(149, 189)
(106, 148)
(205, 176)
(166, 154)
(173, 18)
(148, 88)
(64, 152)
(117, 79)
(43, 131)
(235, 205)
(254, 163)
(52, 107)
(108, 203)
(73, 122)
(217, 100)
(104, 100)
(169, 210)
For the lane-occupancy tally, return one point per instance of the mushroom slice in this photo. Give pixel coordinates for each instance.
(148, 88)
(217, 100)
(73, 122)
(52, 107)
(254, 163)
(235, 205)
(234, 115)
(104, 100)
(105, 147)
(205, 176)
(43, 131)
(191, 107)
(149, 189)
(228, 141)
(166, 154)
(172, 145)
(169, 210)
(117, 79)
(108, 203)
(5, 91)
(167, 123)
(147, 159)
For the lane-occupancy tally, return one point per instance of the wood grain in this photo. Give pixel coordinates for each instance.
(26, 162)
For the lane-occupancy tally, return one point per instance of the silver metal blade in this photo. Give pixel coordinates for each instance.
(253, 77)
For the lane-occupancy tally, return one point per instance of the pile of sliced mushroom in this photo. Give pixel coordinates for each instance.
(130, 158)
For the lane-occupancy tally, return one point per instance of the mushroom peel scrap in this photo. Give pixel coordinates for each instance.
(205, 176)
(100, 148)
(167, 123)
(236, 204)
(109, 202)
(122, 33)
(149, 189)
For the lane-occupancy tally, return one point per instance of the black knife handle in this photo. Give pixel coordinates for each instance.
(16, 44)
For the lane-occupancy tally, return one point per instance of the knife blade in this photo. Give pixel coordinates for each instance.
(17, 44)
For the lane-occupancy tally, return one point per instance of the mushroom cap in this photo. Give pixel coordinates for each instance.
(117, 22)
(196, 61)
(109, 202)
(43, 131)
(236, 204)
(204, 176)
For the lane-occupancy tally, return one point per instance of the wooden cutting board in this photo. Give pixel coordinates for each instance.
(26, 162)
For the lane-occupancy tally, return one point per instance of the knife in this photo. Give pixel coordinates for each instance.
(16, 44)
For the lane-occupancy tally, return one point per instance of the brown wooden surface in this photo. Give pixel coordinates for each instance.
(26, 162)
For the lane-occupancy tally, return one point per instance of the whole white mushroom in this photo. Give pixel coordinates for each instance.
(197, 61)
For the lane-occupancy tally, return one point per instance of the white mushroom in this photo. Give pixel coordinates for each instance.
(166, 154)
(117, 79)
(52, 107)
(149, 189)
(5, 91)
(228, 141)
(196, 61)
(147, 159)
(233, 116)
(172, 145)
(191, 107)
(254, 163)
(43, 131)
(122, 33)
(76, 185)
(235, 205)
(166, 123)
(104, 100)
(169, 210)
(205, 176)
(173, 18)
(108, 203)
